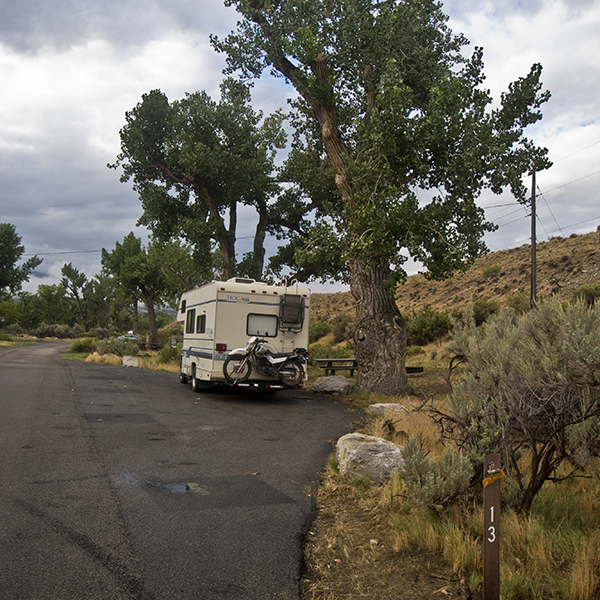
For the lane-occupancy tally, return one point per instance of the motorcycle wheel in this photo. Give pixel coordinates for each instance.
(236, 369)
(291, 373)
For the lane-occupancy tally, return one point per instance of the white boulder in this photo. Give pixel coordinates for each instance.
(333, 384)
(389, 410)
(366, 455)
(130, 361)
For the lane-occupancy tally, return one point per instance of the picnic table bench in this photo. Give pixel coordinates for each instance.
(349, 364)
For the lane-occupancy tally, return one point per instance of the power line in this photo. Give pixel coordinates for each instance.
(576, 152)
(548, 207)
(570, 182)
(69, 252)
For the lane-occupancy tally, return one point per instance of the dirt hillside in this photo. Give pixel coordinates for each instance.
(563, 264)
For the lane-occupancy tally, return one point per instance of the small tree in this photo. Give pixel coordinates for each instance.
(137, 270)
(531, 392)
(11, 251)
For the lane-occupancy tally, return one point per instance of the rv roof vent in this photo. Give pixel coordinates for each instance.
(240, 280)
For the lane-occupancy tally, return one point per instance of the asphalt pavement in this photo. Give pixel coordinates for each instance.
(121, 483)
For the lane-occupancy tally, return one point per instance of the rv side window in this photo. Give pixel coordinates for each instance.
(183, 303)
(262, 325)
(201, 324)
(190, 320)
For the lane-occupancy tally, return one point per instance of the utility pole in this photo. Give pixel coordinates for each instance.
(533, 244)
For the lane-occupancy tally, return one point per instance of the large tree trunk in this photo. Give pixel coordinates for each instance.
(225, 238)
(380, 337)
(259, 240)
(135, 316)
(152, 335)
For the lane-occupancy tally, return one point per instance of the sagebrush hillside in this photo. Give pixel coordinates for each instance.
(563, 264)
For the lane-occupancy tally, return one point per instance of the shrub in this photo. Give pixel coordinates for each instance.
(330, 351)
(83, 345)
(317, 330)
(169, 355)
(4, 337)
(519, 302)
(483, 309)
(60, 331)
(343, 328)
(14, 330)
(101, 333)
(435, 484)
(413, 350)
(531, 383)
(588, 293)
(118, 347)
(492, 271)
(426, 327)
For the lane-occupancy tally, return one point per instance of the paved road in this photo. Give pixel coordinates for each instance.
(121, 483)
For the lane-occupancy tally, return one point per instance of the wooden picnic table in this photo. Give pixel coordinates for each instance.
(349, 364)
(337, 364)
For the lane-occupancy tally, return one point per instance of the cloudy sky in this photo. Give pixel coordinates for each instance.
(70, 69)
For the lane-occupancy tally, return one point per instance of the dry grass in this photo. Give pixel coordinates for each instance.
(105, 359)
(150, 361)
(351, 551)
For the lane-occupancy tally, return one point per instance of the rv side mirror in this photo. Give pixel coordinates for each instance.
(173, 342)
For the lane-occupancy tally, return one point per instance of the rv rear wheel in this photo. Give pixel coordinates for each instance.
(291, 373)
(195, 380)
(237, 369)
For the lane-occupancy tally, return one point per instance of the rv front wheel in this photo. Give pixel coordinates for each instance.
(236, 369)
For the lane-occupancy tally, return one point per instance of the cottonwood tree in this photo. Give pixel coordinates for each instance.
(194, 161)
(74, 283)
(407, 129)
(93, 298)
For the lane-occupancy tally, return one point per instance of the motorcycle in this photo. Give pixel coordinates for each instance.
(262, 357)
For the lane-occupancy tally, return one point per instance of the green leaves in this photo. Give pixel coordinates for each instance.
(12, 276)
(194, 160)
(401, 112)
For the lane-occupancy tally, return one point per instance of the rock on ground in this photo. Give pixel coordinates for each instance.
(366, 455)
(388, 410)
(333, 384)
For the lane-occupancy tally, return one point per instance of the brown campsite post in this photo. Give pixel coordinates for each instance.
(491, 527)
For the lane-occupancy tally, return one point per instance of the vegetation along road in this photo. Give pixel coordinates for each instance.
(122, 483)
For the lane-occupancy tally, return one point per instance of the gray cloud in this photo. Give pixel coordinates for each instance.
(31, 25)
(70, 70)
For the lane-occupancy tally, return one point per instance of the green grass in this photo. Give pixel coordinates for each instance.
(80, 356)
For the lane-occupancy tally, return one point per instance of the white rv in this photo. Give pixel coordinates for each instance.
(223, 315)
